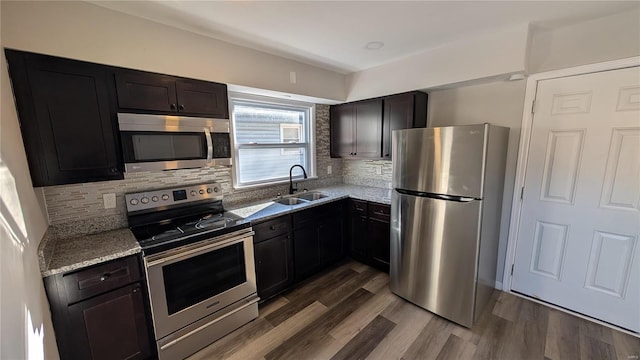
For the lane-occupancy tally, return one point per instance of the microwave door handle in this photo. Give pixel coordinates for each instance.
(207, 135)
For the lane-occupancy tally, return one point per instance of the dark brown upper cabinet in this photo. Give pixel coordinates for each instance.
(67, 119)
(362, 129)
(140, 91)
(356, 129)
(402, 111)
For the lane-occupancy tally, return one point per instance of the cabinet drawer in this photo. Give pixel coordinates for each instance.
(358, 206)
(89, 282)
(271, 228)
(379, 211)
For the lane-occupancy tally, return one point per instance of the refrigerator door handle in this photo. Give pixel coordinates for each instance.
(437, 196)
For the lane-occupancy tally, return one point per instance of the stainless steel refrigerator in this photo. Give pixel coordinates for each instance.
(445, 217)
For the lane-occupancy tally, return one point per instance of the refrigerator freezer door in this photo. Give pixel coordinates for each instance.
(444, 160)
(434, 245)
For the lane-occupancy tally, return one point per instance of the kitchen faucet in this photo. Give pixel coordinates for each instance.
(291, 188)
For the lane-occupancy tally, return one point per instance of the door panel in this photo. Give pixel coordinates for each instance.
(398, 114)
(445, 160)
(145, 91)
(564, 153)
(368, 129)
(73, 114)
(110, 326)
(307, 253)
(342, 130)
(579, 223)
(618, 191)
(202, 98)
(274, 270)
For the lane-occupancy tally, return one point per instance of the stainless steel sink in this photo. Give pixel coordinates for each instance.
(291, 201)
(312, 196)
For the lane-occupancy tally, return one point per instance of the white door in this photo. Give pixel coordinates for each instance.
(578, 240)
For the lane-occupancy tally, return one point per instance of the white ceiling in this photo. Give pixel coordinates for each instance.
(333, 34)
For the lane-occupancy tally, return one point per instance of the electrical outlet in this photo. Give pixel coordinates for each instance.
(329, 169)
(292, 77)
(109, 200)
(379, 169)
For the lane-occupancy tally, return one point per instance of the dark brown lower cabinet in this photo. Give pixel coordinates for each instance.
(318, 238)
(273, 252)
(111, 326)
(369, 232)
(307, 255)
(274, 265)
(379, 243)
(358, 229)
(101, 312)
(330, 234)
(293, 247)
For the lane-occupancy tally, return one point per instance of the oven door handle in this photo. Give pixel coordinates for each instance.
(195, 249)
(207, 135)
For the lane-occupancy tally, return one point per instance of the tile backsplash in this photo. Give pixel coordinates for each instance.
(79, 208)
(375, 173)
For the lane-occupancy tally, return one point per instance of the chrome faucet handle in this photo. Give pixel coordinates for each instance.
(278, 196)
(305, 190)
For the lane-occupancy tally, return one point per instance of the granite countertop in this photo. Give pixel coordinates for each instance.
(58, 255)
(265, 210)
(77, 252)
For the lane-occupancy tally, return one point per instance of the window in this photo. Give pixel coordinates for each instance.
(269, 137)
(290, 134)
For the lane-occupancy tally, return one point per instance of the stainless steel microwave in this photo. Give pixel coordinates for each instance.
(163, 142)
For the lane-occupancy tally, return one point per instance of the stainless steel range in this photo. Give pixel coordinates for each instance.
(199, 266)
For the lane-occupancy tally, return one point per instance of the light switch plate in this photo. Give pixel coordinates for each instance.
(379, 169)
(329, 169)
(109, 200)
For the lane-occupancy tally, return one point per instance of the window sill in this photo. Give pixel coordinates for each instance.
(271, 184)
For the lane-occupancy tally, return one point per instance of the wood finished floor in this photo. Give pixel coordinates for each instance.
(349, 313)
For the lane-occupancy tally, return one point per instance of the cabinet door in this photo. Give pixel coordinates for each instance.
(274, 265)
(342, 130)
(358, 229)
(398, 114)
(330, 234)
(70, 135)
(198, 97)
(138, 90)
(368, 116)
(307, 255)
(109, 326)
(379, 236)
(402, 111)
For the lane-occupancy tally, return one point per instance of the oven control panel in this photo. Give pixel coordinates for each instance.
(173, 196)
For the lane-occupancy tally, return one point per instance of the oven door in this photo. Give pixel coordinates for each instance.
(191, 282)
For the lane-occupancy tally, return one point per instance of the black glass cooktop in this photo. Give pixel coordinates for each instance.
(168, 234)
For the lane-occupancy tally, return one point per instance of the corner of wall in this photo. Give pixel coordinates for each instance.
(25, 325)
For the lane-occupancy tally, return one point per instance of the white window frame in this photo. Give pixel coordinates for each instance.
(276, 103)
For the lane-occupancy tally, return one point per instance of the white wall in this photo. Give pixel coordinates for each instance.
(498, 103)
(478, 57)
(88, 32)
(25, 320)
(606, 38)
